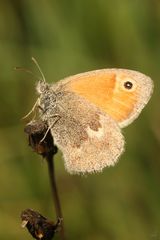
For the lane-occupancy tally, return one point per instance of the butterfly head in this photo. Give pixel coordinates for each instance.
(42, 87)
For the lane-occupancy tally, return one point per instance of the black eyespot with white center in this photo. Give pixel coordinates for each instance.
(128, 85)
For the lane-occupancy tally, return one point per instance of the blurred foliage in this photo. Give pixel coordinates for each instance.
(68, 37)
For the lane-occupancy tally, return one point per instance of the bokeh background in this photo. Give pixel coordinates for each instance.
(68, 37)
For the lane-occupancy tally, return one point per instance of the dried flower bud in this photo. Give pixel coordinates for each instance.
(37, 130)
(39, 227)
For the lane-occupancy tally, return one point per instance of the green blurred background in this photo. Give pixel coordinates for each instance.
(68, 37)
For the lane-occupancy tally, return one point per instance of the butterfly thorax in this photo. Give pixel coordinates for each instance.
(47, 99)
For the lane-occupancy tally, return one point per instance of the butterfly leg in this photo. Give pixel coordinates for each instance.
(32, 110)
(57, 117)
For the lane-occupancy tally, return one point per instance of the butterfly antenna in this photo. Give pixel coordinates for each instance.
(27, 71)
(36, 63)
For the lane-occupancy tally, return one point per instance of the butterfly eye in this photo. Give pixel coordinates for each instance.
(128, 85)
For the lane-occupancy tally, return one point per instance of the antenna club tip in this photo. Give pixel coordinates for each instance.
(18, 68)
(33, 59)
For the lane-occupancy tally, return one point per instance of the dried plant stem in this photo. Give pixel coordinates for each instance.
(50, 161)
(36, 131)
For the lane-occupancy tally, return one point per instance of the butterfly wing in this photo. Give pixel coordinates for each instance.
(89, 139)
(109, 89)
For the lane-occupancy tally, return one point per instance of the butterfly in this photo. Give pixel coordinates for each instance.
(85, 114)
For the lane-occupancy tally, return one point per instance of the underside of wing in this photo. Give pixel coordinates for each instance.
(88, 139)
(105, 88)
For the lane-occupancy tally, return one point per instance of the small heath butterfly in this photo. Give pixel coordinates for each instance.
(85, 114)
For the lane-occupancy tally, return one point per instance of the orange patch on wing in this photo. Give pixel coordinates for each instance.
(121, 105)
(101, 90)
(98, 89)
